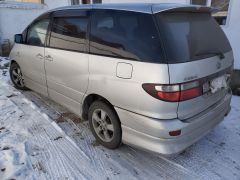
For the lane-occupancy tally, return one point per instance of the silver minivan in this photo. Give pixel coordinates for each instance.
(155, 76)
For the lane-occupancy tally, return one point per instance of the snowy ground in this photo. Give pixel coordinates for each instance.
(39, 139)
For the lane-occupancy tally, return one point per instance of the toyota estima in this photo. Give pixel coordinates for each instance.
(153, 76)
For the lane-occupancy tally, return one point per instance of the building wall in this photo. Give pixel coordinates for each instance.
(51, 4)
(13, 21)
(15, 16)
(232, 30)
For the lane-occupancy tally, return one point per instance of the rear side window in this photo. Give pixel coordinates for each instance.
(69, 33)
(122, 34)
(191, 36)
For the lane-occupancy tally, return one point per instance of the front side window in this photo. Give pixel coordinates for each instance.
(69, 33)
(36, 33)
(128, 35)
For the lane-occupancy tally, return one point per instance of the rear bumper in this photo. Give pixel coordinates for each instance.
(153, 134)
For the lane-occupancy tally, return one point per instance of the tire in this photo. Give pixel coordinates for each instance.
(17, 77)
(105, 125)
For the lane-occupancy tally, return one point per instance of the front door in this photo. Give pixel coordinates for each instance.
(32, 56)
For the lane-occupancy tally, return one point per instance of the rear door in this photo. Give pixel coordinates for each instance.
(67, 59)
(125, 53)
(197, 50)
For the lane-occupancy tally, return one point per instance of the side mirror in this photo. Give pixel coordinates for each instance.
(18, 38)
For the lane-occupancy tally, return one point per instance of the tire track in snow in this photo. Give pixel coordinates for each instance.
(175, 169)
(41, 137)
(107, 168)
(14, 159)
(52, 133)
(33, 115)
(97, 161)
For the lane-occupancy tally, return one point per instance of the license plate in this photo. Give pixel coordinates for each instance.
(218, 83)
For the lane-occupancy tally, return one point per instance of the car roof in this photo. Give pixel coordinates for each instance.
(149, 8)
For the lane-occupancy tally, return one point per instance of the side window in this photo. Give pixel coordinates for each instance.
(199, 2)
(69, 33)
(122, 34)
(36, 33)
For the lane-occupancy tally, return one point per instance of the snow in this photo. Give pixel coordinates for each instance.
(4, 62)
(40, 139)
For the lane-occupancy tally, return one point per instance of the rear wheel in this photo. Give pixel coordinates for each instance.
(17, 77)
(105, 125)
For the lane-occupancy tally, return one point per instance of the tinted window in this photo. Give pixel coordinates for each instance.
(199, 2)
(69, 33)
(190, 37)
(124, 34)
(37, 33)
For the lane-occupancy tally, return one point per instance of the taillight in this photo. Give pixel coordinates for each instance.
(190, 93)
(169, 96)
(174, 93)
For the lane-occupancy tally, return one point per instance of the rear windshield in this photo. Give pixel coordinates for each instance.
(191, 36)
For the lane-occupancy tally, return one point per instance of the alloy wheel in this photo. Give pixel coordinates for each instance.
(17, 77)
(103, 125)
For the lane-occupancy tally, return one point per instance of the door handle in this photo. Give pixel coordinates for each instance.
(39, 56)
(49, 58)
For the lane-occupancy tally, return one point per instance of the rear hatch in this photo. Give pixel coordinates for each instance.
(198, 52)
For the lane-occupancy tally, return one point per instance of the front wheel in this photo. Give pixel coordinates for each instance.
(17, 77)
(105, 125)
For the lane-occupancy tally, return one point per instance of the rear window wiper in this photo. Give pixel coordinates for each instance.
(219, 54)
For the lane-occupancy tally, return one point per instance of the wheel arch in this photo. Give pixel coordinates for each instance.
(89, 99)
(13, 61)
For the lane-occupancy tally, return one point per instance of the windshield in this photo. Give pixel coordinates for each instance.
(191, 36)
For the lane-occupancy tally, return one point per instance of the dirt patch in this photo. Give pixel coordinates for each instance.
(4, 73)
(57, 138)
(222, 144)
(95, 143)
(38, 166)
(6, 148)
(12, 95)
(78, 134)
(68, 115)
(2, 128)
(60, 119)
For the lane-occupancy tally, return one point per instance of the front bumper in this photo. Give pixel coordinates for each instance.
(153, 134)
